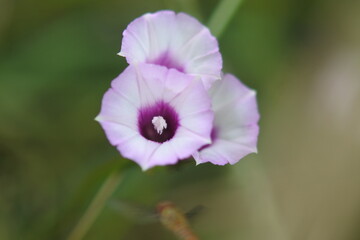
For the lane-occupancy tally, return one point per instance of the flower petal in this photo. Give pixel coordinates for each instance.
(236, 123)
(173, 40)
(193, 99)
(176, 96)
(122, 113)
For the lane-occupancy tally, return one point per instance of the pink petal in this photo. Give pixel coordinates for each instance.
(236, 123)
(173, 40)
(145, 89)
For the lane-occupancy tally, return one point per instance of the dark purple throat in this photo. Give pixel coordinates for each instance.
(167, 60)
(146, 127)
(213, 135)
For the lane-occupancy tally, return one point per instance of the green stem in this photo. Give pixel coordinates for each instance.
(96, 206)
(222, 16)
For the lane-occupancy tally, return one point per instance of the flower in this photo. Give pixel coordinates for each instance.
(175, 41)
(235, 131)
(155, 115)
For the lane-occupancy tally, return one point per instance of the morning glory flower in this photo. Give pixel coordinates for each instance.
(173, 40)
(235, 131)
(155, 115)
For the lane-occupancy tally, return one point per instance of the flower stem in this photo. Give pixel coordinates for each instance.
(222, 16)
(95, 207)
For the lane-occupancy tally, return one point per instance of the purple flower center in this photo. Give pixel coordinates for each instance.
(158, 122)
(165, 59)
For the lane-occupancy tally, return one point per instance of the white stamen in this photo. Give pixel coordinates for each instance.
(159, 124)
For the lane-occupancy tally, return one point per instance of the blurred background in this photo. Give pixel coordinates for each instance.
(57, 59)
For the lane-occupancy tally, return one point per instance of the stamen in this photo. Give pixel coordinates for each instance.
(159, 124)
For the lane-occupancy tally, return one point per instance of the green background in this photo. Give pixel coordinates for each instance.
(57, 59)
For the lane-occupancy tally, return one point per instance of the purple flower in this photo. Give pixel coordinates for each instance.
(235, 131)
(155, 115)
(175, 41)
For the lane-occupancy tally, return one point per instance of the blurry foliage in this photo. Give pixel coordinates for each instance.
(57, 58)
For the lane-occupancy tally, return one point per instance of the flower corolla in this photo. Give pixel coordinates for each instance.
(167, 105)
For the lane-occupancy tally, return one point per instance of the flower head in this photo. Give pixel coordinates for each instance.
(155, 115)
(175, 41)
(235, 131)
